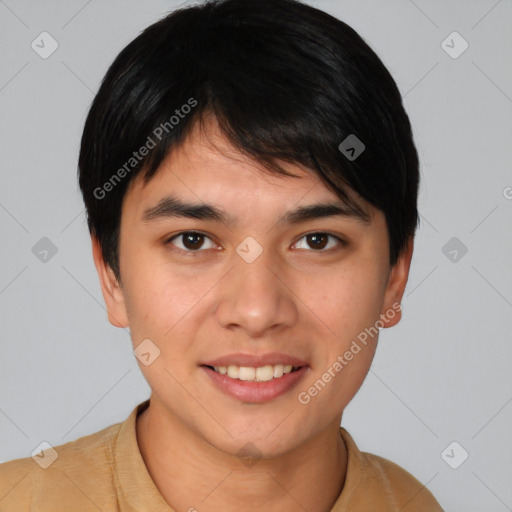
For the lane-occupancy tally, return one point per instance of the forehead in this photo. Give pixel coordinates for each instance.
(207, 168)
(206, 160)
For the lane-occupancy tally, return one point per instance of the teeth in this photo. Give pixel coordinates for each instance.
(246, 373)
(233, 371)
(278, 371)
(264, 373)
(260, 374)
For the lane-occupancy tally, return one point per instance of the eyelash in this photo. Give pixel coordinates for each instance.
(341, 242)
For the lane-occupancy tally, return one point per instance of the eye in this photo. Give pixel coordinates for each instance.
(195, 241)
(320, 241)
(190, 241)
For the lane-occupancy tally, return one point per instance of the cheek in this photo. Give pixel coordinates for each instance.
(162, 299)
(348, 305)
(161, 303)
(154, 300)
(347, 301)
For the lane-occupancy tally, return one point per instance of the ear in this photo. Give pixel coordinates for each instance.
(391, 312)
(111, 289)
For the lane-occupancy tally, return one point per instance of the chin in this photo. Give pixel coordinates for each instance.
(263, 440)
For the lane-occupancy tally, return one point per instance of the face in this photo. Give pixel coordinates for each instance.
(244, 286)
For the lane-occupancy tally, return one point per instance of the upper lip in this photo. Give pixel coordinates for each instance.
(255, 360)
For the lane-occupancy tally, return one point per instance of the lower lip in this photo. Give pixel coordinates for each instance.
(256, 392)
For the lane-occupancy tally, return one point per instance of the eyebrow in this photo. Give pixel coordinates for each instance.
(172, 207)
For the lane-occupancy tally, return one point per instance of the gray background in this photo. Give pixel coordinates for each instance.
(442, 375)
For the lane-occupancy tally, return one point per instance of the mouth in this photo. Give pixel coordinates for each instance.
(255, 384)
(255, 374)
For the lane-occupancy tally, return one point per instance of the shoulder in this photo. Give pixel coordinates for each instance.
(404, 489)
(78, 473)
(373, 482)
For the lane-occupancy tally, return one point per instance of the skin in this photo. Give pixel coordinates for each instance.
(294, 298)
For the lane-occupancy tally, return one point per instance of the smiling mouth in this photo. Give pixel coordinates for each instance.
(255, 374)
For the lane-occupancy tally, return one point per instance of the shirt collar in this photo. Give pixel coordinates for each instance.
(135, 489)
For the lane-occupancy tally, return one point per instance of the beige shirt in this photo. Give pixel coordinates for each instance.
(105, 471)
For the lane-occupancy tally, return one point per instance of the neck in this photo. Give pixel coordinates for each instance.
(191, 474)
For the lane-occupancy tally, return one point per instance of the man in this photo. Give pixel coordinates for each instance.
(250, 180)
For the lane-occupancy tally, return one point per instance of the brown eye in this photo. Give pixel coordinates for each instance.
(191, 241)
(320, 242)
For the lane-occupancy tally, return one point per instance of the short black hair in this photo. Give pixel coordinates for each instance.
(284, 80)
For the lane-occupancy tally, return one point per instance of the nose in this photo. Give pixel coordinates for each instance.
(256, 298)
